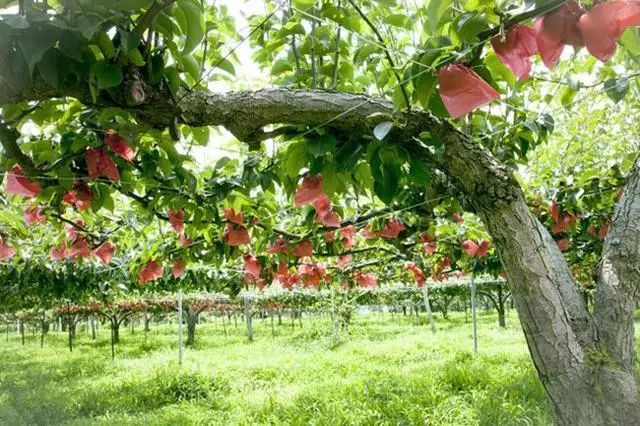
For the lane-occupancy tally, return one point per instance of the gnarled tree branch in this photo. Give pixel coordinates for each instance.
(619, 277)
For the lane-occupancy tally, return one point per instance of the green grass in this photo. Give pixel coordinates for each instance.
(388, 371)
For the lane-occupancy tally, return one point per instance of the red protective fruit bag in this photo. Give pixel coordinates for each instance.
(234, 217)
(304, 249)
(236, 235)
(603, 25)
(150, 271)
(178, 268)
(105, 252)
(462, 90)
(99, 163)
(309, 191)
(119, 145)
(18, 184)
(176, 219)
(516, 49)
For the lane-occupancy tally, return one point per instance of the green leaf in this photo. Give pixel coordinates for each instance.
(295, 159)
(436, 106)
(386, 170)
(631, 41)
(170, 149)
(304, 4)
(331, 182)
(387, 187)
(173, 78)
(470, 25)
(98, 199)
(200, 135)
(136, 58)
(382, 130)
(350, 21)
(398, 98)
(126, 4)
(348, 155)
(11, 112)
(105, 44)
(193, 26)
(106, 75)
(322, 146)
(54, 67)
(616, 88)
(362, 175)
(280, 66)
(389, 3)
(191, 66)
(398, 20)
(567, 96)
(425, 85)
(434, 13)
(13, 220)
(128, 40)
(65, 175)
(363, 53)
(88, 25)
(166, 26)
(498, 70)
(419, 173)
(225, 65)
(165, 166)
(107, 200)
(34, 46)
(155, 69)
(72, 44)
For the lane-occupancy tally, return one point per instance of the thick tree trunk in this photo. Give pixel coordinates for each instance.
(92, 322)
(44, 329)
(585, 386)
(21, 330)
(500, 308)
(73, 327)
(191, 333)
(147, 321)
(71, 332)
(248, 318)
(444, 308)
(501, 319)
(427, 307)
(191, 318)
(115, 329)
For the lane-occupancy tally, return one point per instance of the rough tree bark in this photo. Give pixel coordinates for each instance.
(501, 311)
(147, 321)
(585, 363)
(191, 317)
(115, 329)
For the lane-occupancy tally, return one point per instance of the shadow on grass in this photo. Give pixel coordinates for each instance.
(463, 391)
(34, 397)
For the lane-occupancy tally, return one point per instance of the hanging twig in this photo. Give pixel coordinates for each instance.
(366, 19)
(336, 57)
(312, 51)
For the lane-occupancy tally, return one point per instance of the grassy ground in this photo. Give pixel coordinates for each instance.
(388, 371)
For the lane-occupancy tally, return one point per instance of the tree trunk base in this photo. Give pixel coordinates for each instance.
(603, 396)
